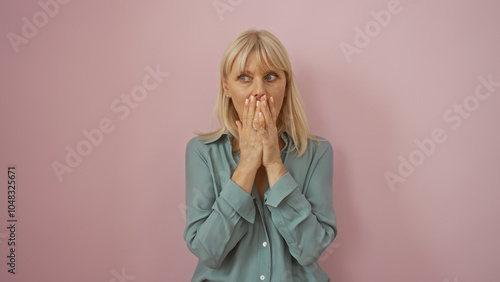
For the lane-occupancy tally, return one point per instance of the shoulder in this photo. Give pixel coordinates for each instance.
(319, 147)
(201, 144)
(197, 143)
(195, 147)
(194, 142)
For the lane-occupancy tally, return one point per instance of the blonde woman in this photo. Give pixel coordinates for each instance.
(259, 190)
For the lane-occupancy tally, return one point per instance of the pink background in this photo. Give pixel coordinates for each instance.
(121, 210)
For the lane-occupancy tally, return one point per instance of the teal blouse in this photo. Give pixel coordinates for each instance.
(238, 237)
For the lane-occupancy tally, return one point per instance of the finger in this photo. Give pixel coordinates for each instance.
(267, 114)
(255, 123)
(262, 124)
(261, 129)
(245, 112)
(272, 107)
(239, 125)
(256, 120)
(251, 112)
(257, 111)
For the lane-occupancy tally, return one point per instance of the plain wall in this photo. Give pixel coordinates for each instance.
(414, 130)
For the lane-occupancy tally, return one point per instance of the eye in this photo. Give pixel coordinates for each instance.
(243, 78)
(271, 77)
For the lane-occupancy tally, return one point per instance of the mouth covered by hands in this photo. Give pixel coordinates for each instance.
(258, 135)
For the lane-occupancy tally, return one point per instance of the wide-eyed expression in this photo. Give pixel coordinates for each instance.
(254, 81)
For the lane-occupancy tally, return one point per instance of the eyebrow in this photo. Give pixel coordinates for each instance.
(251, 73)
(245, 72)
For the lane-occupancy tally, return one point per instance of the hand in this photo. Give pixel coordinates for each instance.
(249, 141)
(266, 127)
(271, 158)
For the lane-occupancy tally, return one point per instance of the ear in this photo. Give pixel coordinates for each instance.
(226, 88)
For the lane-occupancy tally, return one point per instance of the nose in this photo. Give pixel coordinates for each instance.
(259, 89)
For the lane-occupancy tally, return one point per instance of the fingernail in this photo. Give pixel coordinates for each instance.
(252, 98)
(257, 103)
(260, 114)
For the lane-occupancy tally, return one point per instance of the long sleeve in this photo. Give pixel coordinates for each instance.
(304, 216)
(215, 222)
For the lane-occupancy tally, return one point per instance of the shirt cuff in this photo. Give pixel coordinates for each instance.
(239, 200)
(281, 189)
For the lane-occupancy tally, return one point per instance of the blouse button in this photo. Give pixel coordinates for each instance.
(264, 244)
(262, 277)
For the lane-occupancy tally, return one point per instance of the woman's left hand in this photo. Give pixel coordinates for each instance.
(268, 132)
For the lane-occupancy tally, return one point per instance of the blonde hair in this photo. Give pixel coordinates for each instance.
(270, 53)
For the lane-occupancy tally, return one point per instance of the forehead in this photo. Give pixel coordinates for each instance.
(253, 61)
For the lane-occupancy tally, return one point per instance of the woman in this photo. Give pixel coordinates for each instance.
(259, 190)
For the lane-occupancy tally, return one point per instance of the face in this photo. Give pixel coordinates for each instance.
(253, 82)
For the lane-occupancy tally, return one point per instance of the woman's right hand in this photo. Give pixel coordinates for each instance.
(249, 141)
(250, 147)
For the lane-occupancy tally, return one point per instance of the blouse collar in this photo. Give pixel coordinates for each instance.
(226, 133)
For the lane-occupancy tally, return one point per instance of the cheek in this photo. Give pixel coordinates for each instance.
(238, 105)
(279, 99)
(279, 107)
